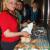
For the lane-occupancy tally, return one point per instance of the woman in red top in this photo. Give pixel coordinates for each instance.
(9, 27)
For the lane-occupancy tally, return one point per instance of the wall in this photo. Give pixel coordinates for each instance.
(0, 5)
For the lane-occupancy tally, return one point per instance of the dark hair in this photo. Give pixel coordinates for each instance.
(20, 1)
(35, 3)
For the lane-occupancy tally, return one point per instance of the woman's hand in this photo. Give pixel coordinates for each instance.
(25, 34)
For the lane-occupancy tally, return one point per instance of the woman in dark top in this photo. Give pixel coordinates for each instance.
(35, 12)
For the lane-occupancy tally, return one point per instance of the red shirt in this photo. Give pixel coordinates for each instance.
(7, 21)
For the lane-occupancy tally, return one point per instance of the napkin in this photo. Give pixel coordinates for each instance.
(28, 28)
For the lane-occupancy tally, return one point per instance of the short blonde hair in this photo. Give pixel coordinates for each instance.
(4, 4)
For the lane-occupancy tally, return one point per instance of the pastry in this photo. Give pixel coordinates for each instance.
(20, 45)
(25, 39)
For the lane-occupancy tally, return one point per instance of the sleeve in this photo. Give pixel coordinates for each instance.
(4, 24)
(4, 27)
(0, 19)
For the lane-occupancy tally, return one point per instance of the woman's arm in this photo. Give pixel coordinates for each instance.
(8, 33)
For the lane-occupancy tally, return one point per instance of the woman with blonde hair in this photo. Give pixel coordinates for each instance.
(9, 26)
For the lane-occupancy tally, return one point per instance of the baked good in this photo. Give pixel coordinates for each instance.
(25, 39)
(20, 45)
